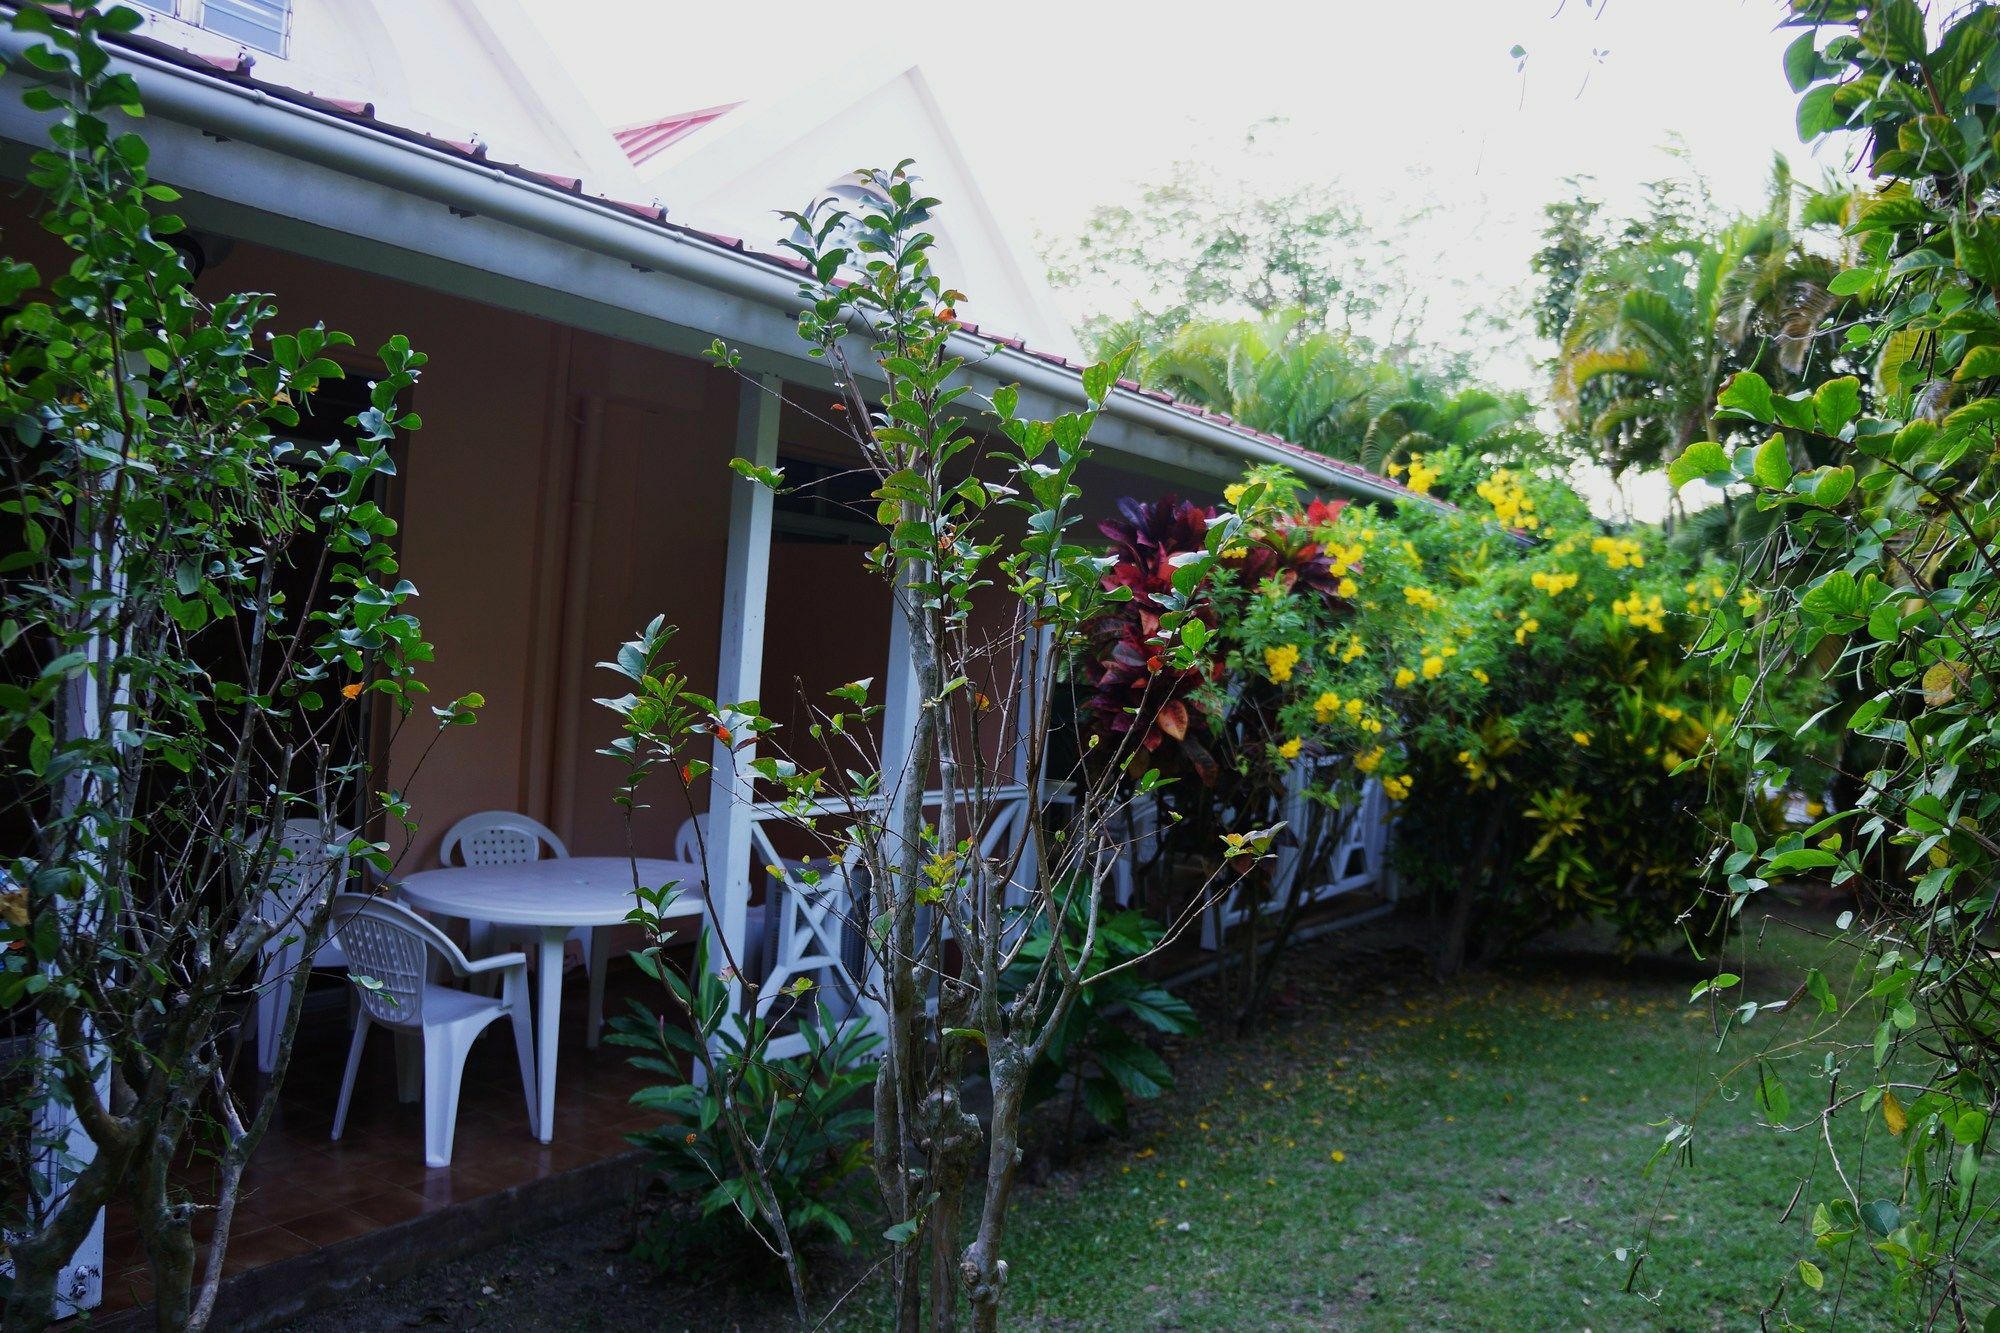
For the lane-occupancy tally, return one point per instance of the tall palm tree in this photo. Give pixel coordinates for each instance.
(1663, 321)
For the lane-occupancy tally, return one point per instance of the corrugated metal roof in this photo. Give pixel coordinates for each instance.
(648, 139)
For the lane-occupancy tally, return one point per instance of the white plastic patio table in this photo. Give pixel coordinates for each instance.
(555, 896)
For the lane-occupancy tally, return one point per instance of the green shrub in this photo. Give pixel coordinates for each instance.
(1094, 1058)
(809, 1116)
(1881, 574)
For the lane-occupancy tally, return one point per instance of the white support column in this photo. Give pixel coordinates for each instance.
(80, 1285)
(900, 702)
(1031, 663)
(745, 585)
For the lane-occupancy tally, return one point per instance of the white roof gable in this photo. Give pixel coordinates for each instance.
(458, 69)
(734, 173)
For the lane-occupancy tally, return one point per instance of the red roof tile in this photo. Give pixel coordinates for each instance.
(648, 139)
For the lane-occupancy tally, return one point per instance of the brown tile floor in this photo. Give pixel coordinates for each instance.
(303, 1190)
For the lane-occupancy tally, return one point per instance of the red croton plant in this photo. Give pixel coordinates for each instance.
(1134, 685)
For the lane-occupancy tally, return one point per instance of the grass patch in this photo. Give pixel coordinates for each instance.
(1393, 1153)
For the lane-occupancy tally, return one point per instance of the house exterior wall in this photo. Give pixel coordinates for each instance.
(490, 520)
(455, 68)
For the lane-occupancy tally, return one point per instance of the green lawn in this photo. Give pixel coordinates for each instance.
(1393, 1153)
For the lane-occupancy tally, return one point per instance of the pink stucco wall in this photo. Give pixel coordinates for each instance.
(565, 488)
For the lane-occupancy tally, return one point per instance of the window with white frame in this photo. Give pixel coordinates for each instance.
(262, 24)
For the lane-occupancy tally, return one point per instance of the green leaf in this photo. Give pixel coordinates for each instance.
(1835, 595)
(1838, 401)
(1702, 459)
(1802, 63)
(772, 477)
(1978, 248)
(903, 1232)
(1772, 468)
(1900, 365)
(1097, 380)
(1810, 1275)
(1748, 394)
(1799, 858)
(1817, 113)
(1881, 1216)
(1720, 981)
(1895, 31)
(1980, 363)
(1772, 1099)
(1833, 486)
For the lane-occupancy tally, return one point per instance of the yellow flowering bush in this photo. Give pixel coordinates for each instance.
(1222, 708)
(1523, 673)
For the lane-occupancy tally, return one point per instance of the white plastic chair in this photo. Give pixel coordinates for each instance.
(305, 862)
(393, 946)
(504, 838)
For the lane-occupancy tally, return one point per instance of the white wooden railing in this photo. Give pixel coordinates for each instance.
(821, 922)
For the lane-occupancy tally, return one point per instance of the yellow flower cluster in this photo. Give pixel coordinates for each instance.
(1348, 651)
(1527, 626)
(1481, 676)
(1422, 477)
(1512, 504)
(1330, 707)
(1553, 584)
(1405, 678)
(1433, 667)
(1233, 493)
(1280, 660)
(1669, 712)
(1422, 598)
(1396, 789)
(1474, 766)
(1347, 588)
(1581, 738)
(1343, 558)
(1290, 749)
(1750, 602)
(1369, 760)
(1642, 612)
(1620, 552)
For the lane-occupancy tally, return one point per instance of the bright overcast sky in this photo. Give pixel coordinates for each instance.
(1404, 103)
